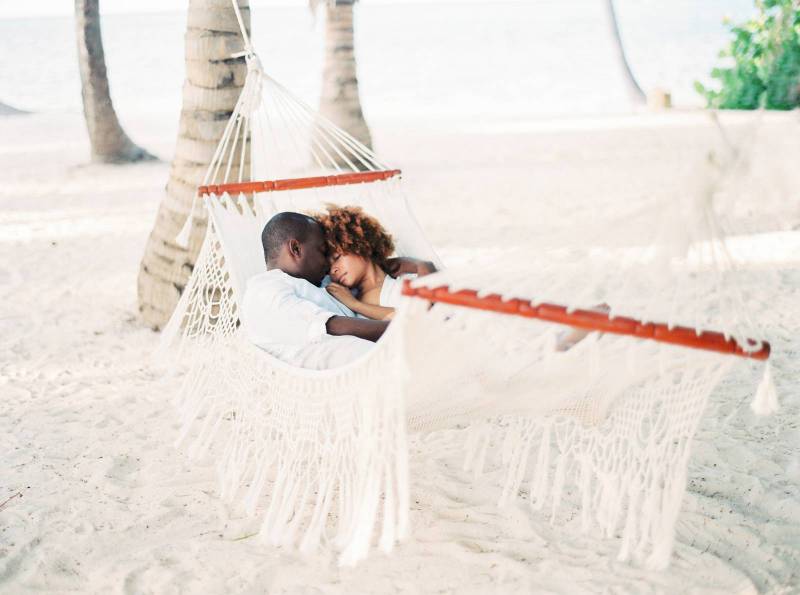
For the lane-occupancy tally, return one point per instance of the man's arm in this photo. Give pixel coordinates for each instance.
(372, 311)
(371, 330)
(403, 265)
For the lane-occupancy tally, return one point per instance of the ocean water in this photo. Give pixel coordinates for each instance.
(435, 60)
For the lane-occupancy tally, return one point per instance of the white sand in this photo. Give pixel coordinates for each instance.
(8, 110)
(109, 506)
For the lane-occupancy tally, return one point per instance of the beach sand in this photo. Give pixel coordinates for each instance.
(108, 505)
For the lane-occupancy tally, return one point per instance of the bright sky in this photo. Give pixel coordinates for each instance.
(17, 8)
(44, 8)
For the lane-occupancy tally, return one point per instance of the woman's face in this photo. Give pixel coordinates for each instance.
(348, 269)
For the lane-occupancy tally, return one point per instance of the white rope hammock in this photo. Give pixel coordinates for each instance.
(322, 454)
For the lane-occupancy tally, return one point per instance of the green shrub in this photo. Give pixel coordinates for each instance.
(763, 61)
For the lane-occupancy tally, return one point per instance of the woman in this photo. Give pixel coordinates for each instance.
(359, 250)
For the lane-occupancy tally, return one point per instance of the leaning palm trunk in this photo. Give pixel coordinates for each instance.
(634, 89)
(213, 83)
(109, 142)
(339, 101)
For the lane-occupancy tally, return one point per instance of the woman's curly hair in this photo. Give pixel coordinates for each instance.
(349, 230)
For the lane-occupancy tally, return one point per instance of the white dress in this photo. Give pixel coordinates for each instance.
(391, 290)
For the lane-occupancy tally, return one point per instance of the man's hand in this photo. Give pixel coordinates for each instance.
(371, 330)
(403, 265)
(342, 293)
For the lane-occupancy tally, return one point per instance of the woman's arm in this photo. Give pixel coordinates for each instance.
(372, 311)
(403, 265)
(375, 312)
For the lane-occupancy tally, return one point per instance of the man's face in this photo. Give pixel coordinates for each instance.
(313, 262)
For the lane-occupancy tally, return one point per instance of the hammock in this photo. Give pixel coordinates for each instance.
(322, 454)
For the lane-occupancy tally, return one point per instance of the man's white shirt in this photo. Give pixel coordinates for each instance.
(286, 316)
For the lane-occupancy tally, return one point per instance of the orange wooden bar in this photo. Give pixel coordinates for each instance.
(590, 320)
(299, 183)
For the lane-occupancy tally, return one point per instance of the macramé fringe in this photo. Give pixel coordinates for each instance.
(629, 470)
(330, 452)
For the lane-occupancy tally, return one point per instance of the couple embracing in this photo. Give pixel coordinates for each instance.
(330, 287)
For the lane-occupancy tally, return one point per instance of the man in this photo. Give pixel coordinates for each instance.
(287, 312)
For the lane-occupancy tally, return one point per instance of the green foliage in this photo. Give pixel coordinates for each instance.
(762, 61)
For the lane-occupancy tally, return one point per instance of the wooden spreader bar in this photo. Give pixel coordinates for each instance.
(298, 183)
(590, 320)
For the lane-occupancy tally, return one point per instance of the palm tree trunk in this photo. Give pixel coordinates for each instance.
(109, 142)
(634, 90)
(213, 83)
(339, 101)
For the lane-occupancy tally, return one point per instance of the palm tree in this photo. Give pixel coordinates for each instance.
(213, 83)
(108, 140)
(339, 100)
(634, 90)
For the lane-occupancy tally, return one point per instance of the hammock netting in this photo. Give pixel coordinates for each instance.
(321, 455)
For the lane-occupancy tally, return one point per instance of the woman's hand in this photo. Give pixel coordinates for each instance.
(342, 293)
(403, 265)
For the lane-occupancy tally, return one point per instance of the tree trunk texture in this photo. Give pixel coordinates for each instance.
(339, 100)
(108, 140)
(634, 90)
(213, 83)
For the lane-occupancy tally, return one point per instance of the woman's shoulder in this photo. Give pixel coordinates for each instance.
(373, 295)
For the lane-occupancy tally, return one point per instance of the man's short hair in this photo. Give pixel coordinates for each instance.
(282, 228)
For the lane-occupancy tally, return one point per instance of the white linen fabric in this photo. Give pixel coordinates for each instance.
(391, 290)
(286, 317)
